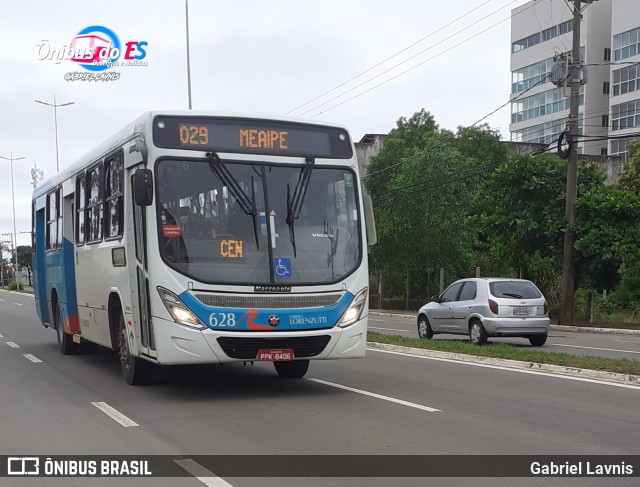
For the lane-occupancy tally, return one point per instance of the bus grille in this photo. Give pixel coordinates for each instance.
(268, 302)
(247, 348)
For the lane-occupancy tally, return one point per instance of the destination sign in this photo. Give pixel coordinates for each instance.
(251, 136)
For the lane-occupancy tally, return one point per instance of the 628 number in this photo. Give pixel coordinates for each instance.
(222, 320)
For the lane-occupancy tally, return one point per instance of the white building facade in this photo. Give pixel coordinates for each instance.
(625, 75)
(609, 111)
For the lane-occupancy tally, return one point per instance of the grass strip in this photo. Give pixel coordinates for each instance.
(514, 352)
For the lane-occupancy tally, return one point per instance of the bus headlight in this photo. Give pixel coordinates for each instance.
(178, 311)
(355, 310)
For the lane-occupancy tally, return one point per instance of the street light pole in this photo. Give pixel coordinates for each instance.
(13, 198)
(186, 5)
(55, 120)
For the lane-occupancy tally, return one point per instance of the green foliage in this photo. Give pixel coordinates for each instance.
(630, 177)
(607, 231)
(13, 286)
(480, 144)
(520, 209)
(423, 184)
(24, 256)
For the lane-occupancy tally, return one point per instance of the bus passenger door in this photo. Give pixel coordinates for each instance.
(139, 273)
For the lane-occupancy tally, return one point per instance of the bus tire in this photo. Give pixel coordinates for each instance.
(65, 341)
(292, 370)
(135, 371)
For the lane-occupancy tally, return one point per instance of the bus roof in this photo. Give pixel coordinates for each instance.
(137, 128)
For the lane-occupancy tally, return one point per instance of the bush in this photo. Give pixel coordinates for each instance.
(13, 286)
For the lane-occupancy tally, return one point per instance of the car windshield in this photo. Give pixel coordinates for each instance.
(514, 290)
(206, 233)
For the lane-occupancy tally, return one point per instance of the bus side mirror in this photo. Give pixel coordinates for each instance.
(143, 187)
(369, 219)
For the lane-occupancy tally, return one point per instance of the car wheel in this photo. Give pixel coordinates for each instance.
(424, 328)
(538, 340)
(292, 370)
(65, 341)
(135, 371)
(477, 334)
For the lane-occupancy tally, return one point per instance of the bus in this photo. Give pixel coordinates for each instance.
(202, 238)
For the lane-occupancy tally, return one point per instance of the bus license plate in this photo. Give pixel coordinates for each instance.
(521, 311)
(270, 355)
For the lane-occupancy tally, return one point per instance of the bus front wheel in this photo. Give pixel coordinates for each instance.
(135, 371)
(292, 370)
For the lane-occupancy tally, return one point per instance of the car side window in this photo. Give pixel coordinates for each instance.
(451, 293)
(468, 291)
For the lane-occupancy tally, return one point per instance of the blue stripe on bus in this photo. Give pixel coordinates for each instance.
(243, 319)
(55, 269)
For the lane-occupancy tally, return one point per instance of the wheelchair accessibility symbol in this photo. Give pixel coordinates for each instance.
(282, 268)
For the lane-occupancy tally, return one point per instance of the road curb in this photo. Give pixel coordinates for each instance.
(628, 379)
(576, 329)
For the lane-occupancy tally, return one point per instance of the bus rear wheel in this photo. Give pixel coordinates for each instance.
(65, 341)
(135, 371)
(292, 370)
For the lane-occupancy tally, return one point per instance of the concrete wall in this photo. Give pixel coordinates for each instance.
(369, 146)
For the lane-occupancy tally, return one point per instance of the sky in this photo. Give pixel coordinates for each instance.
(360, 63)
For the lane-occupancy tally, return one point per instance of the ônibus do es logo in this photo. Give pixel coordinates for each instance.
(96, 49)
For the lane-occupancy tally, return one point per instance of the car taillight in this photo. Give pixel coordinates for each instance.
(546, 308)
(493, 306)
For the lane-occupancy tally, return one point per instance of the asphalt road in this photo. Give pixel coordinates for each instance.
(386, 403)
(577, 343)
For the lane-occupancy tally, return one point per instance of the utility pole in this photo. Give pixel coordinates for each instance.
(568, 263)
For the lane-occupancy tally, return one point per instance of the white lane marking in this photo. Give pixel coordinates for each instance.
(593, 348)
(509, 369)
(390, 329)
(625, 341)
(205, 476)
(377, 396)
(115, 414)
(1, 299)
(33, 358)
(18, 304)
(1, 336)
(13, 345)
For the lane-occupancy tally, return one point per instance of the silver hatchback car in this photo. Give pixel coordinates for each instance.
(484, 307)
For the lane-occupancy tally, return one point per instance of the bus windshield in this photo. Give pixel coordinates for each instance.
(207, 233)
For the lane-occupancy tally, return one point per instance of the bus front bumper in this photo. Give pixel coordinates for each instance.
(178, 345)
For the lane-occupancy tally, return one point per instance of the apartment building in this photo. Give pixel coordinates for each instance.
(609, 112)
(625, 75)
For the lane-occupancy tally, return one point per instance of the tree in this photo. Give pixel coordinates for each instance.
(423, 183)
(520, 209)
(630, 177)
(481, 145)
(24, 259)
(4, 274)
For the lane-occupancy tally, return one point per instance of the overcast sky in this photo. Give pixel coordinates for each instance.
(248, 57)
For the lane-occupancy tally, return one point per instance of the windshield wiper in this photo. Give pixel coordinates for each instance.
(294, 204)
(247, 206)
(513, 295)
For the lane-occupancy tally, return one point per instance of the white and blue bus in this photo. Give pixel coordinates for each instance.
(197, 238)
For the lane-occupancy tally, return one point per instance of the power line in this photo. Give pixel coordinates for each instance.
(389, 58)
(435, 145)
(405, 61)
